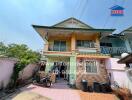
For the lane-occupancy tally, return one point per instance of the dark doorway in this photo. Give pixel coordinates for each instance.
(63, 70)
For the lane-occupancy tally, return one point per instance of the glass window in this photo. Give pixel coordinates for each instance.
(79, 43)
(91, 66)
(85, 43)
(62, 45)
(56, 45)
(59, 46)
(106, 44)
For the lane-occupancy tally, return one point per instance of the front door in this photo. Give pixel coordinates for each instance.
(62, 69)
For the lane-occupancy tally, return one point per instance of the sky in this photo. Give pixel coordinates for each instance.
(17, 16)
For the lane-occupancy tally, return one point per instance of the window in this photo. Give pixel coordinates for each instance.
(85, 43)
(59, 46)
(91, 66)
(106, 44)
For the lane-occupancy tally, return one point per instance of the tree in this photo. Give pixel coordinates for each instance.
(3, 48)
(23, 54)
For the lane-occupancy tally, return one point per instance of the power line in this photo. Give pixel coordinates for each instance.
(77, 7)
(108, 17)
(80, 8)
(74, 10)
(84, 8)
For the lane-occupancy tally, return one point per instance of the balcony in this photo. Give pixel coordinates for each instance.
(89, 47)
(86, 50)
(58, 48)
(113, 50)
(57, 51)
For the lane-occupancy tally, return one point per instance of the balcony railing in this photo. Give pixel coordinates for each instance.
(91, 47)
(87, 50)
(57, 48)
(113, 50)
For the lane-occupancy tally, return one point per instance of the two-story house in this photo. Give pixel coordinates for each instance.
(115, 45)
(77, 46)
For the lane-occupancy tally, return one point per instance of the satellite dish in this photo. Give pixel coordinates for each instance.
(124, 55)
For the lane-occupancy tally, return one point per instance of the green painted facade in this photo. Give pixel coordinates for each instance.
(51, 60)
(72, 72)
(70, 62)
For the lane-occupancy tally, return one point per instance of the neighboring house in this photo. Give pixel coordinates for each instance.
(119, 72)
(114, 45)
(127, 34)
(127, 59)
(77, 45)
(128, 38)
(118, 44)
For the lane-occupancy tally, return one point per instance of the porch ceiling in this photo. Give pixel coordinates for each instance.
(46, 30)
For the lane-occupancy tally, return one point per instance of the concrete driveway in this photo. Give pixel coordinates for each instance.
(60, 91)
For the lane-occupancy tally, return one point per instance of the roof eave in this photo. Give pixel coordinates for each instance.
(48, 27)
(34, 26)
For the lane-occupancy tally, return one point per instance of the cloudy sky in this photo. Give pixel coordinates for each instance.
(17, 16)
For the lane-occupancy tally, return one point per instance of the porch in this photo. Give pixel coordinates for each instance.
(65, 64)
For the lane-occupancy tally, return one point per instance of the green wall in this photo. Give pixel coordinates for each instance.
(72, 70)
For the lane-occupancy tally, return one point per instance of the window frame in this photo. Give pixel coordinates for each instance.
(97, 66)
(60, 47)
(85, 44)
